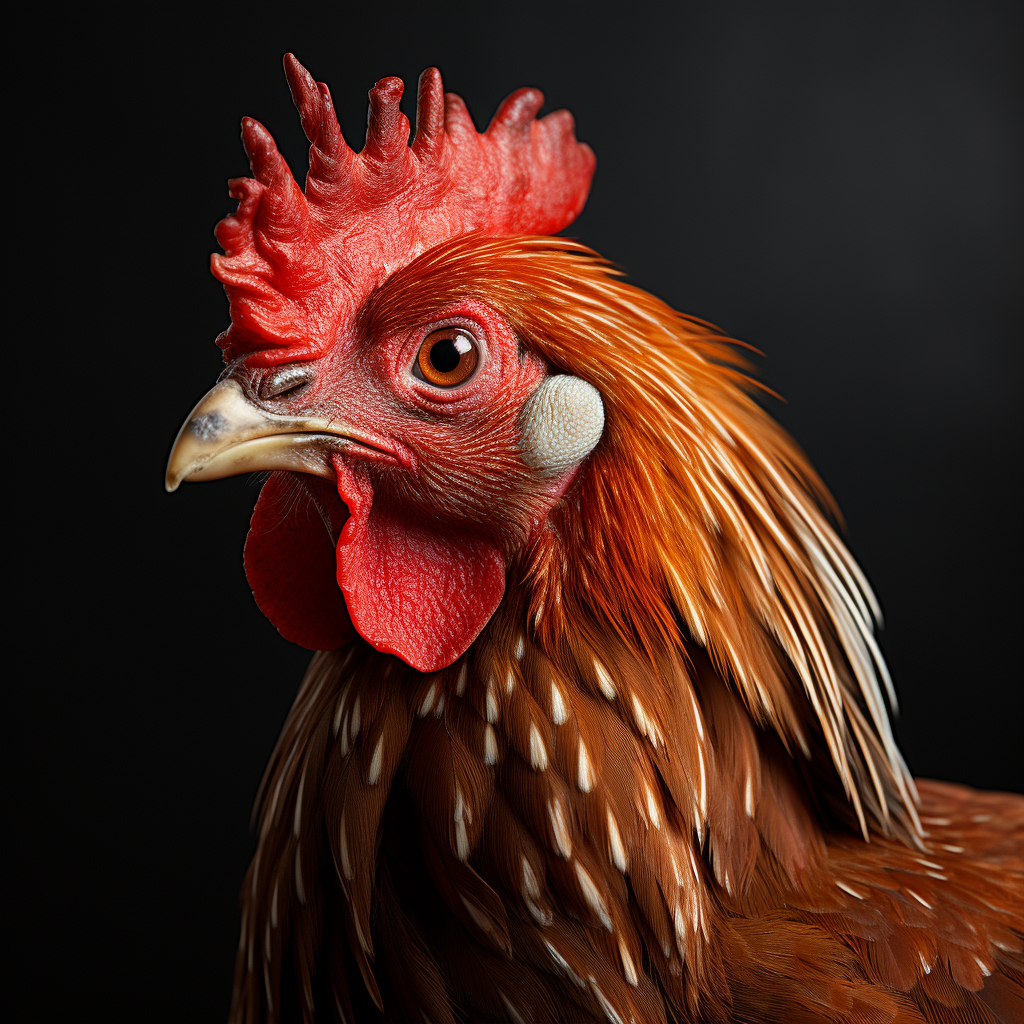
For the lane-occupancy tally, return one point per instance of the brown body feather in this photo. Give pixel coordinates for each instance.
(458, 889)
(662, 785)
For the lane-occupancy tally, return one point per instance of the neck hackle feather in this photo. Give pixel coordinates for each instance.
(697, 518)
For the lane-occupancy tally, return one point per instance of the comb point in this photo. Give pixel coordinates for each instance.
(429, 109)
(387, 128)
(518, 110)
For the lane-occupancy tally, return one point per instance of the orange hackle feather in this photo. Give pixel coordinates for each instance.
(645, 792)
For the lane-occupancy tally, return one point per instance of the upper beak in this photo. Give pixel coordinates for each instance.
(226, 434)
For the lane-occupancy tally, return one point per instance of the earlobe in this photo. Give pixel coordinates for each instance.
(561, 423)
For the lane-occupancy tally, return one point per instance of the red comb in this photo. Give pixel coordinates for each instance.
(298, 266)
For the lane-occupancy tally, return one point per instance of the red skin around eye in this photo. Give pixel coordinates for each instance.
(499, 378)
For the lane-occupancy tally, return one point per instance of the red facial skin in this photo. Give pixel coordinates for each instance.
(438, 506)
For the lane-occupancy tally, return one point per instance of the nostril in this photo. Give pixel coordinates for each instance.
(209, 426)
(284, 382)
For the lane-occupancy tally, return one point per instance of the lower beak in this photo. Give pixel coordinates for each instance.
(226, 434)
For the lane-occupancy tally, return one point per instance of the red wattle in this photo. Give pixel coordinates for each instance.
(289, 562)
(418, 590)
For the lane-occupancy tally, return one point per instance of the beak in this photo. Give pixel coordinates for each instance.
(226, 434)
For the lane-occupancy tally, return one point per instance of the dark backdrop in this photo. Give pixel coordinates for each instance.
(838, 187)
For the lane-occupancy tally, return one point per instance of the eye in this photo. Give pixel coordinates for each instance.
(447, 357)
(283, 382)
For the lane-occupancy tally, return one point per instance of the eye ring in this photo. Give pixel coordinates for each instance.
(447, 358)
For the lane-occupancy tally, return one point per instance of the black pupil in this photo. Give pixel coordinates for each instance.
(445, 354)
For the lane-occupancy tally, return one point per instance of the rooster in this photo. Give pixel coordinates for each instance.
(596, 729)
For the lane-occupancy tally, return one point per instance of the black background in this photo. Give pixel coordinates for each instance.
(839, 186)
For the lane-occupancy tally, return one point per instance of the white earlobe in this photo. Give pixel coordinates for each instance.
(561, 421)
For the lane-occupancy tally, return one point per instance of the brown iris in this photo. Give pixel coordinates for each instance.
(448, 357)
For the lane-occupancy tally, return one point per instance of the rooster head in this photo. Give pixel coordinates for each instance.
(416, 445)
